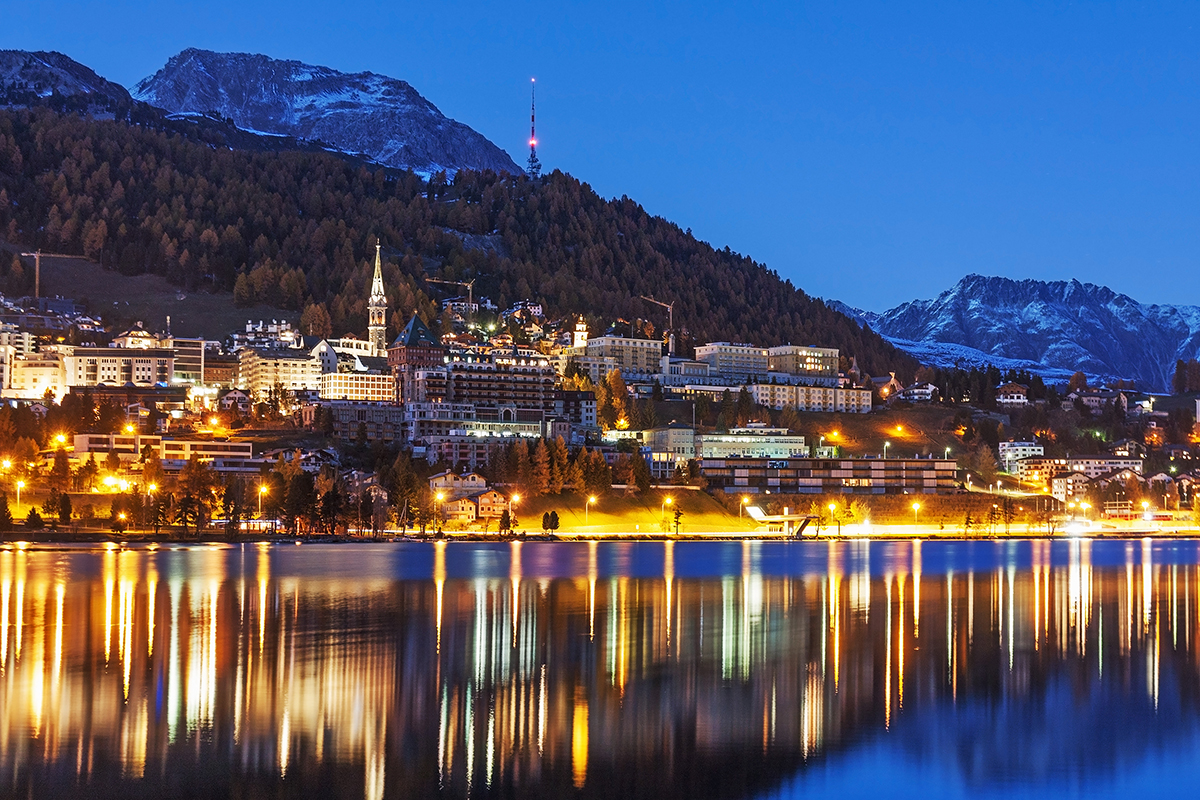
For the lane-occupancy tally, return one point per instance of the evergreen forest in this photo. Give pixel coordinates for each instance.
(297, 230)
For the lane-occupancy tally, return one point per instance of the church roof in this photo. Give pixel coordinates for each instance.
(377, 279)
(416, 334)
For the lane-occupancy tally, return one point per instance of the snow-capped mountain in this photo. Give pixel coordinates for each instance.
(381, 119)
(1053, 328)
(26, 75)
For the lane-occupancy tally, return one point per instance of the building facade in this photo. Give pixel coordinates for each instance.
(830, 476)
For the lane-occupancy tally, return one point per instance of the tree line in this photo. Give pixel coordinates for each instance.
(295, 229)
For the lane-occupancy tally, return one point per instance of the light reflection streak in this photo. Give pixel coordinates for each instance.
(304, 675)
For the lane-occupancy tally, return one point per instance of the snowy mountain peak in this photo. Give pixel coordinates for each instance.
(1056, 327)
(381, 118)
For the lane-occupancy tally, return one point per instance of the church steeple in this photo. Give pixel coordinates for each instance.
(377, 309)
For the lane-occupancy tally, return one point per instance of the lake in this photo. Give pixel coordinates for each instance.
(636, 670)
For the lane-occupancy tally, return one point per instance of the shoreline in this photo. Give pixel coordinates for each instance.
(99, 537)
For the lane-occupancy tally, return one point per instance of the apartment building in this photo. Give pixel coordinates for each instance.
(260, 369)
(91, 366)
(830, 476)
(737, 363)
(637, 359)
(31, 376)
(380, 388)
(812, 398)
(1013, 452)
(1042, 470)
(754, 441)
(817, 364)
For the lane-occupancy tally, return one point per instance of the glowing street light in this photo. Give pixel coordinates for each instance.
(915, 507)
(886, 445)
(835, 517)
(437, 513)
(586, 506)
(130, 429)
(20, 486)
(60, 438)
(742, 505)
(262, 489)
(6, 464)
(662, 512)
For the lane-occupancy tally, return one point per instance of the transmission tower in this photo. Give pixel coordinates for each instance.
(535, 166)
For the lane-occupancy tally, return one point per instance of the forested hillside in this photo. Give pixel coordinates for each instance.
(296, 229)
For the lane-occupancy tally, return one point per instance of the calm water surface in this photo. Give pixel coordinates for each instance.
(655, 670)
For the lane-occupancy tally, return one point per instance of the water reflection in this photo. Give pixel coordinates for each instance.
(718, 670)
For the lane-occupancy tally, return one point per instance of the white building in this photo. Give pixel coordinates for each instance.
(357, 386)
(33, 375)
(753, 441)
(1067, 486)
(920, 393)
(261, 369)
(1042, 470)
(812, 398)
(637, 359)
(1012, 452)
(736, 363)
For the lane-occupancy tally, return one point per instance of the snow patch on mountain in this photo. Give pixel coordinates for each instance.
(1051, 328)
(383, 119)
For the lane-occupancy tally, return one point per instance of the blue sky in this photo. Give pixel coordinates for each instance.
(871, 152)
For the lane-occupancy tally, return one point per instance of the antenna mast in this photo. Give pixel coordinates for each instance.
(535, 166)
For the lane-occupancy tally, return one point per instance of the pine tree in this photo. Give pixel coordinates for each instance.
(6, 518)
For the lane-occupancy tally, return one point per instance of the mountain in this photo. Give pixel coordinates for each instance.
(293, 230)
(382, 119)
(1051, 327)
(53, 80)
(27, 77)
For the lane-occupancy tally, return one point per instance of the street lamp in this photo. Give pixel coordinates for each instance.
(129, 429)
(21, 485)
(61, 439)
(947, 452)
(662, 512)
(586, 506)
(262, 489)
(835, 517)
(915, 507)
(742, 505)
(886, 445)
(437, 512)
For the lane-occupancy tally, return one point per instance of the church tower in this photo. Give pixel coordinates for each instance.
(377, 310)
(580, 337)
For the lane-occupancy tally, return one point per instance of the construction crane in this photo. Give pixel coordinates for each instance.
(670, 307)
(37, 272)
(37, 267)
(469, 285)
